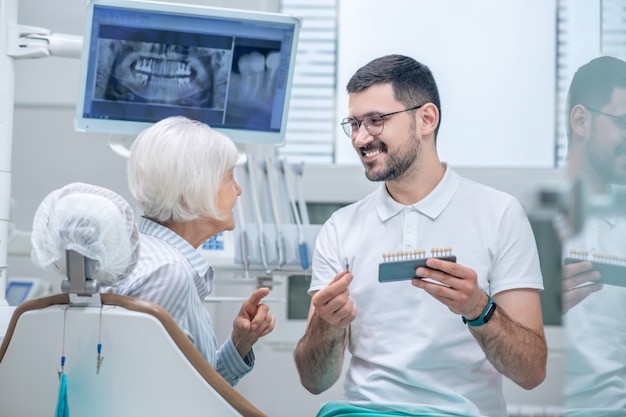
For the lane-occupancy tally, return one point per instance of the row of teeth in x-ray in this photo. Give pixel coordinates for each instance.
(164, 72)
(258, 73)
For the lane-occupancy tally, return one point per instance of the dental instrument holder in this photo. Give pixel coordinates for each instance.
(240, 216)
(303, 250)
(272, 206)
(298, 170)
(256, 233)
(80, 284)
(256, 209)
(291, 236)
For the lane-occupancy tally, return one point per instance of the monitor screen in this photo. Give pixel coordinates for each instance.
(144, 61)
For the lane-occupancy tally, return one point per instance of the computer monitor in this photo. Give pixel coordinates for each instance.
(144, 61)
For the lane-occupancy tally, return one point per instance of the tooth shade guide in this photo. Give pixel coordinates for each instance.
(401, 265)
(416, 254)
(579, 254)
(612, 268)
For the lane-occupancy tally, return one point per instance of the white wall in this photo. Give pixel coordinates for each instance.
(494, 63)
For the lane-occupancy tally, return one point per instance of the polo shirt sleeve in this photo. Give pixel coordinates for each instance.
(230, 365)
(324, 265)
(517, 262)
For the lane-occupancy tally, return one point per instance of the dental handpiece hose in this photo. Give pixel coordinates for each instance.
(257, 215)
(243, 236)
(304, 252)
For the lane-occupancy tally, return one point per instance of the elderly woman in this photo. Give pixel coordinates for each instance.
(180, 171)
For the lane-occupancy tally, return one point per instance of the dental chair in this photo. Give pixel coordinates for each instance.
(118, 356)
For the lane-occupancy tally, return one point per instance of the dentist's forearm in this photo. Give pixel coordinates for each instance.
(518, 352)
(319, 355)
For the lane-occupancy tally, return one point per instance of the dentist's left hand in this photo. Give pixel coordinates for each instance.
(253, 321)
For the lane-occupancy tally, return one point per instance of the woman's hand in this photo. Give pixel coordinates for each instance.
(253, 321)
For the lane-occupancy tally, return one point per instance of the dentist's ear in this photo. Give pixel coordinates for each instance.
(429, 114)
(580, 120)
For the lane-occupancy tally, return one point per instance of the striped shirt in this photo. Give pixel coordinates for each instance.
(171, 273)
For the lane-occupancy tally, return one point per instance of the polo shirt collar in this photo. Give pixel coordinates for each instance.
(431, 206)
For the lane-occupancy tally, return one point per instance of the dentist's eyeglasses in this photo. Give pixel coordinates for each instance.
(374, 123)
(620, 121)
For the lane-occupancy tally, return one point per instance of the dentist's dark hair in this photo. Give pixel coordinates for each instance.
(413, 83)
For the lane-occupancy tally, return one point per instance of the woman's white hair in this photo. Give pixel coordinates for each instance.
(175, 169)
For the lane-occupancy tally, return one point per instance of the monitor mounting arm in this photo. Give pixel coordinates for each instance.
(25, 42)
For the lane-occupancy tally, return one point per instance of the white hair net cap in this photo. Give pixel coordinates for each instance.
(93, 221)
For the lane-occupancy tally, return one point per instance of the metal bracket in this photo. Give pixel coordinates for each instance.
(80, 275)
(25, 42)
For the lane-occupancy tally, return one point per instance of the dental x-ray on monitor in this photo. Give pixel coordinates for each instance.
(144, 61)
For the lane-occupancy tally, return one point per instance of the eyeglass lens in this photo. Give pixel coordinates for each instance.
(373, 123)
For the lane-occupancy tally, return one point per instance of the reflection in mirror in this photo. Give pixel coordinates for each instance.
(594, 254)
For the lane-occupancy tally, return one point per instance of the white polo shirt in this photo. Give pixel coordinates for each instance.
(410, 353)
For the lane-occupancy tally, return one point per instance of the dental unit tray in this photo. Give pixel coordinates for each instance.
(612, 268)
(399, 266)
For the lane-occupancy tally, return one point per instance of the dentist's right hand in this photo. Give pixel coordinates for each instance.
(333, 303)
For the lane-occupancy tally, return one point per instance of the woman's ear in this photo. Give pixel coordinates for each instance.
(430, 118)
(580, 121)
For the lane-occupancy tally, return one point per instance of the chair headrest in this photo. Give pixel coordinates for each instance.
(91, 220)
